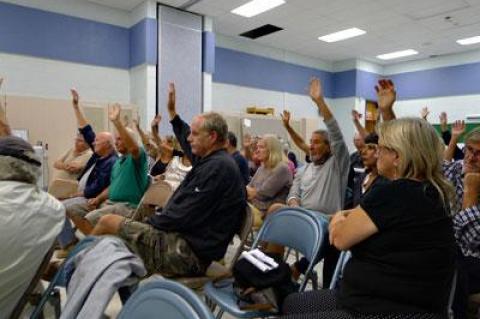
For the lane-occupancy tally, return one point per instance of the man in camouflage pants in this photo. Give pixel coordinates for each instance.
(201, 217)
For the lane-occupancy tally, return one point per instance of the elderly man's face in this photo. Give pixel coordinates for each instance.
(201, 141)
(102, 144)
(319, 147)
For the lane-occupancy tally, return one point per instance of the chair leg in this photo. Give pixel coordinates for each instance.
(219, 314)
(314, 278)
(54, 300)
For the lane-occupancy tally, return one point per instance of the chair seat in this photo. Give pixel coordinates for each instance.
(225, 298)
(214, 271)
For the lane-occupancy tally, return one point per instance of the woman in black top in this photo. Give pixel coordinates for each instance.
(400, 235)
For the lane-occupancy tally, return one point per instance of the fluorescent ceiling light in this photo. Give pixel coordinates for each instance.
(255, 7)
(468, 41)
(397, 54)
(342, 35)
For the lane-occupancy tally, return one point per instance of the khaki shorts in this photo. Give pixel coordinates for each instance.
(162, 252)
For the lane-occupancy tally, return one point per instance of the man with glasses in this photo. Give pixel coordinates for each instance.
(465, 177)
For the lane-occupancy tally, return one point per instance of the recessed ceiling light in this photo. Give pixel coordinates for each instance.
(342, 35)
(396, 54)
(468, 41)
(255, 7)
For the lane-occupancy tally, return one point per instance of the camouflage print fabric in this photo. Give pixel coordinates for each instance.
(162, 252)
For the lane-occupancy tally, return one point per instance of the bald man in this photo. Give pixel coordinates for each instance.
(95, 177)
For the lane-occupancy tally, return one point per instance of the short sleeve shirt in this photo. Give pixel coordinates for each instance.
(408, 265)
(129, 179)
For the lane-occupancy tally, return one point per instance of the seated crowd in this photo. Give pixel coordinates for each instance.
(405, 204)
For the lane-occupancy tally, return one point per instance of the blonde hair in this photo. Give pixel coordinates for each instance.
(275, 151)
(420, 152)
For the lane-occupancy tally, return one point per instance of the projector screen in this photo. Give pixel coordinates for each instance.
(179, 61)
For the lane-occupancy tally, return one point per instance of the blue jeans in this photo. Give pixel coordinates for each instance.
(67, 235)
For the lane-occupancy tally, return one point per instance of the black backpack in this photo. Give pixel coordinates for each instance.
(258, 290)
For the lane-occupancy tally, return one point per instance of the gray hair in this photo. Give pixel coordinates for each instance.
(324, 134)
(14, 169)
(215, 122)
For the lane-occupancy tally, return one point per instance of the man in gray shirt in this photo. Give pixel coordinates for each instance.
(321, 184)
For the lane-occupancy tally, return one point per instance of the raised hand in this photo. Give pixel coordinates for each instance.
(356, 116)
(114, 112)
(171, 99)
(424, 113)
(316, 92)
(156, 121)
(458, 128)
(386, 94)
(285, 118)
(136, 122)
(75, 97)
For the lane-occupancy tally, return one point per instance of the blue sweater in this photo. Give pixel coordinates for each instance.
(99, 178)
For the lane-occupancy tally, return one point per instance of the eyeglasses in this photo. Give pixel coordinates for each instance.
(371, 146)
(384, 149)
(471, 151)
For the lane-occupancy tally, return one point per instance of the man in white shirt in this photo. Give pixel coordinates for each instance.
(30, 220)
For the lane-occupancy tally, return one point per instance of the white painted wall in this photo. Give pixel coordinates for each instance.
(233, 99)
(457, 107)
(28, 76)
(143, 86)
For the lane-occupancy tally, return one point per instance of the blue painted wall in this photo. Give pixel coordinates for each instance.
(445, 81)
(143, 43)
(44, 34)
(238, 68)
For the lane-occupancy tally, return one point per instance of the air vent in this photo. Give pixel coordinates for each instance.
(261, 31)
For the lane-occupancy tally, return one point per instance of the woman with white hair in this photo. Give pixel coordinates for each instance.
(400, 236)
(271, 183)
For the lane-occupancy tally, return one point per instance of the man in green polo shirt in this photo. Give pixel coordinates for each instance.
(128, 181)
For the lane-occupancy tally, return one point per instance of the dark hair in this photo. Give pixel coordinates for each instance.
(232, 139)
(291, 156)
(371, 138)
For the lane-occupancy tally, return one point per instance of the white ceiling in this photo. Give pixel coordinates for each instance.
(391, 25)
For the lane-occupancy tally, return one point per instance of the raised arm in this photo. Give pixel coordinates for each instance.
(424, 113)
(386, 97)
(161, 145)
(356, 121)
(81, 119)
(130, 144)
(316, 93)
(143, 136)
(337, 143)
(296, 138)
(171, 107)
(180, 128)
(458, 128)
(4, 126)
